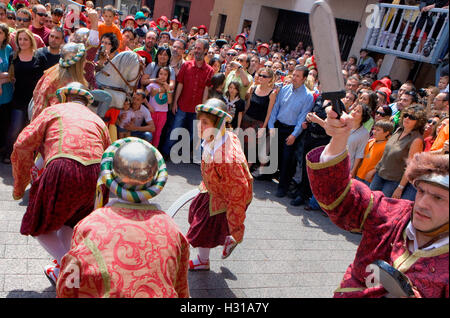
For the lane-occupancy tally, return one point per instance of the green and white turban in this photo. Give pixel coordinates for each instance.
(74, 88)
(71, 54)
(118, 185)
(213, 106)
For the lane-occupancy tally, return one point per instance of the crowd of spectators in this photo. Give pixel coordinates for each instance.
(264, 85)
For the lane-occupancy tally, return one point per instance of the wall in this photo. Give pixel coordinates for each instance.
(199, 12)
(266, 25)
(232, 9)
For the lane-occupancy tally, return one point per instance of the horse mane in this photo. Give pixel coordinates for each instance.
(124, 62)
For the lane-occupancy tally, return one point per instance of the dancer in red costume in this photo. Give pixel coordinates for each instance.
(217, 214)
(71, 139)
(128, 248)
(410, 236)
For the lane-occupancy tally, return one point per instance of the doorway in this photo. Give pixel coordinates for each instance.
(181, 11)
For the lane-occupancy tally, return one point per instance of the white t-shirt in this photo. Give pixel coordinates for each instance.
(141, 115)
(126, 116)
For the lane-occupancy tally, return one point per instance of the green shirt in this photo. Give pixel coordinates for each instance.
(235, 77)
(152, 53)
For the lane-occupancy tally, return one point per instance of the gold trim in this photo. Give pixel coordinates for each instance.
(412, 259)
(133, 206)
(323, 165)
(349, 289)
(73, 157)
(339, 200)
(366, 214)
(101, 264)
(405, 261)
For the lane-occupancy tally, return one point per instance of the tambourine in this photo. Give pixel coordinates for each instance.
(394, 281)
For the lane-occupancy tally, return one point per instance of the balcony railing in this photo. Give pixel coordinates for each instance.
(407, 32)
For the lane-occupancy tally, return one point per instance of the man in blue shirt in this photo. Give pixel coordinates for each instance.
(293, 103)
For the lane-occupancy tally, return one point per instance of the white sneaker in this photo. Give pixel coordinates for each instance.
(52, 272)
(198, 265)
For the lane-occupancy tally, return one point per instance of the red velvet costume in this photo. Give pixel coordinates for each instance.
(352, 206)
(126, 251)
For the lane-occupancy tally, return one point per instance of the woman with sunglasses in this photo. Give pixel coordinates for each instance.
(26, 69)
(404, 144)
(383, 113)
(259, 105)
(432, 130)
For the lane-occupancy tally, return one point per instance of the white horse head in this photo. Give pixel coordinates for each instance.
(120, 76)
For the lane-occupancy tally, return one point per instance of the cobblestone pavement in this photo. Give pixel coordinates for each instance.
(287, 252)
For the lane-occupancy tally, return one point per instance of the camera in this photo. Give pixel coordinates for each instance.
(280, 72)
(422, 92)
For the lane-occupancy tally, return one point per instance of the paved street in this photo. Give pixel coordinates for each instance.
(287, 252)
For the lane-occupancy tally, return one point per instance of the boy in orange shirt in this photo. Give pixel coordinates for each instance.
(108, 25)
(374, 150)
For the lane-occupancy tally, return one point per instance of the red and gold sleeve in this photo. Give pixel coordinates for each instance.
(236, 187)
(22, 157)
(347, 201)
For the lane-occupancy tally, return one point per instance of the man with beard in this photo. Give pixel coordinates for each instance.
(150, 47)
(193, 81)
(39, 15)
(50, 54)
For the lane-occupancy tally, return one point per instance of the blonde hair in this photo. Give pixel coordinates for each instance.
(30, 36)
(310, 82)
(74, 73)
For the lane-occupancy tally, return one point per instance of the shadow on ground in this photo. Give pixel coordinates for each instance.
(211, 284)
(20, 293)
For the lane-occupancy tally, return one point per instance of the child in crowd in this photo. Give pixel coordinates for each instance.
(160, 98)
(108, 25)
(125, 117)
(235, 105)
(374, 150)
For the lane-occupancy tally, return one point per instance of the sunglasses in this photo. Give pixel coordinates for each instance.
(412, 117)
(231, 54)
(238, 49)
(431, 121)
(41, 14)
(23, 19)
(10, 17)
(380, 114)
(265, 76)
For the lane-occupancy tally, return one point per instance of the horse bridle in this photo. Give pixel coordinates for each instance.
(132, 88)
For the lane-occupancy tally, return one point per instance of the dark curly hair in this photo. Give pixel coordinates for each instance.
(114, 41)
(420, 113)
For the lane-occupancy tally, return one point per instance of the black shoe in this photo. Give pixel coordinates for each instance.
(293, 186)
(297, 201)
(260, 176)
(281, 193)
(293, 194)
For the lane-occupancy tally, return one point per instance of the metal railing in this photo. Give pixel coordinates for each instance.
(407, 32)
